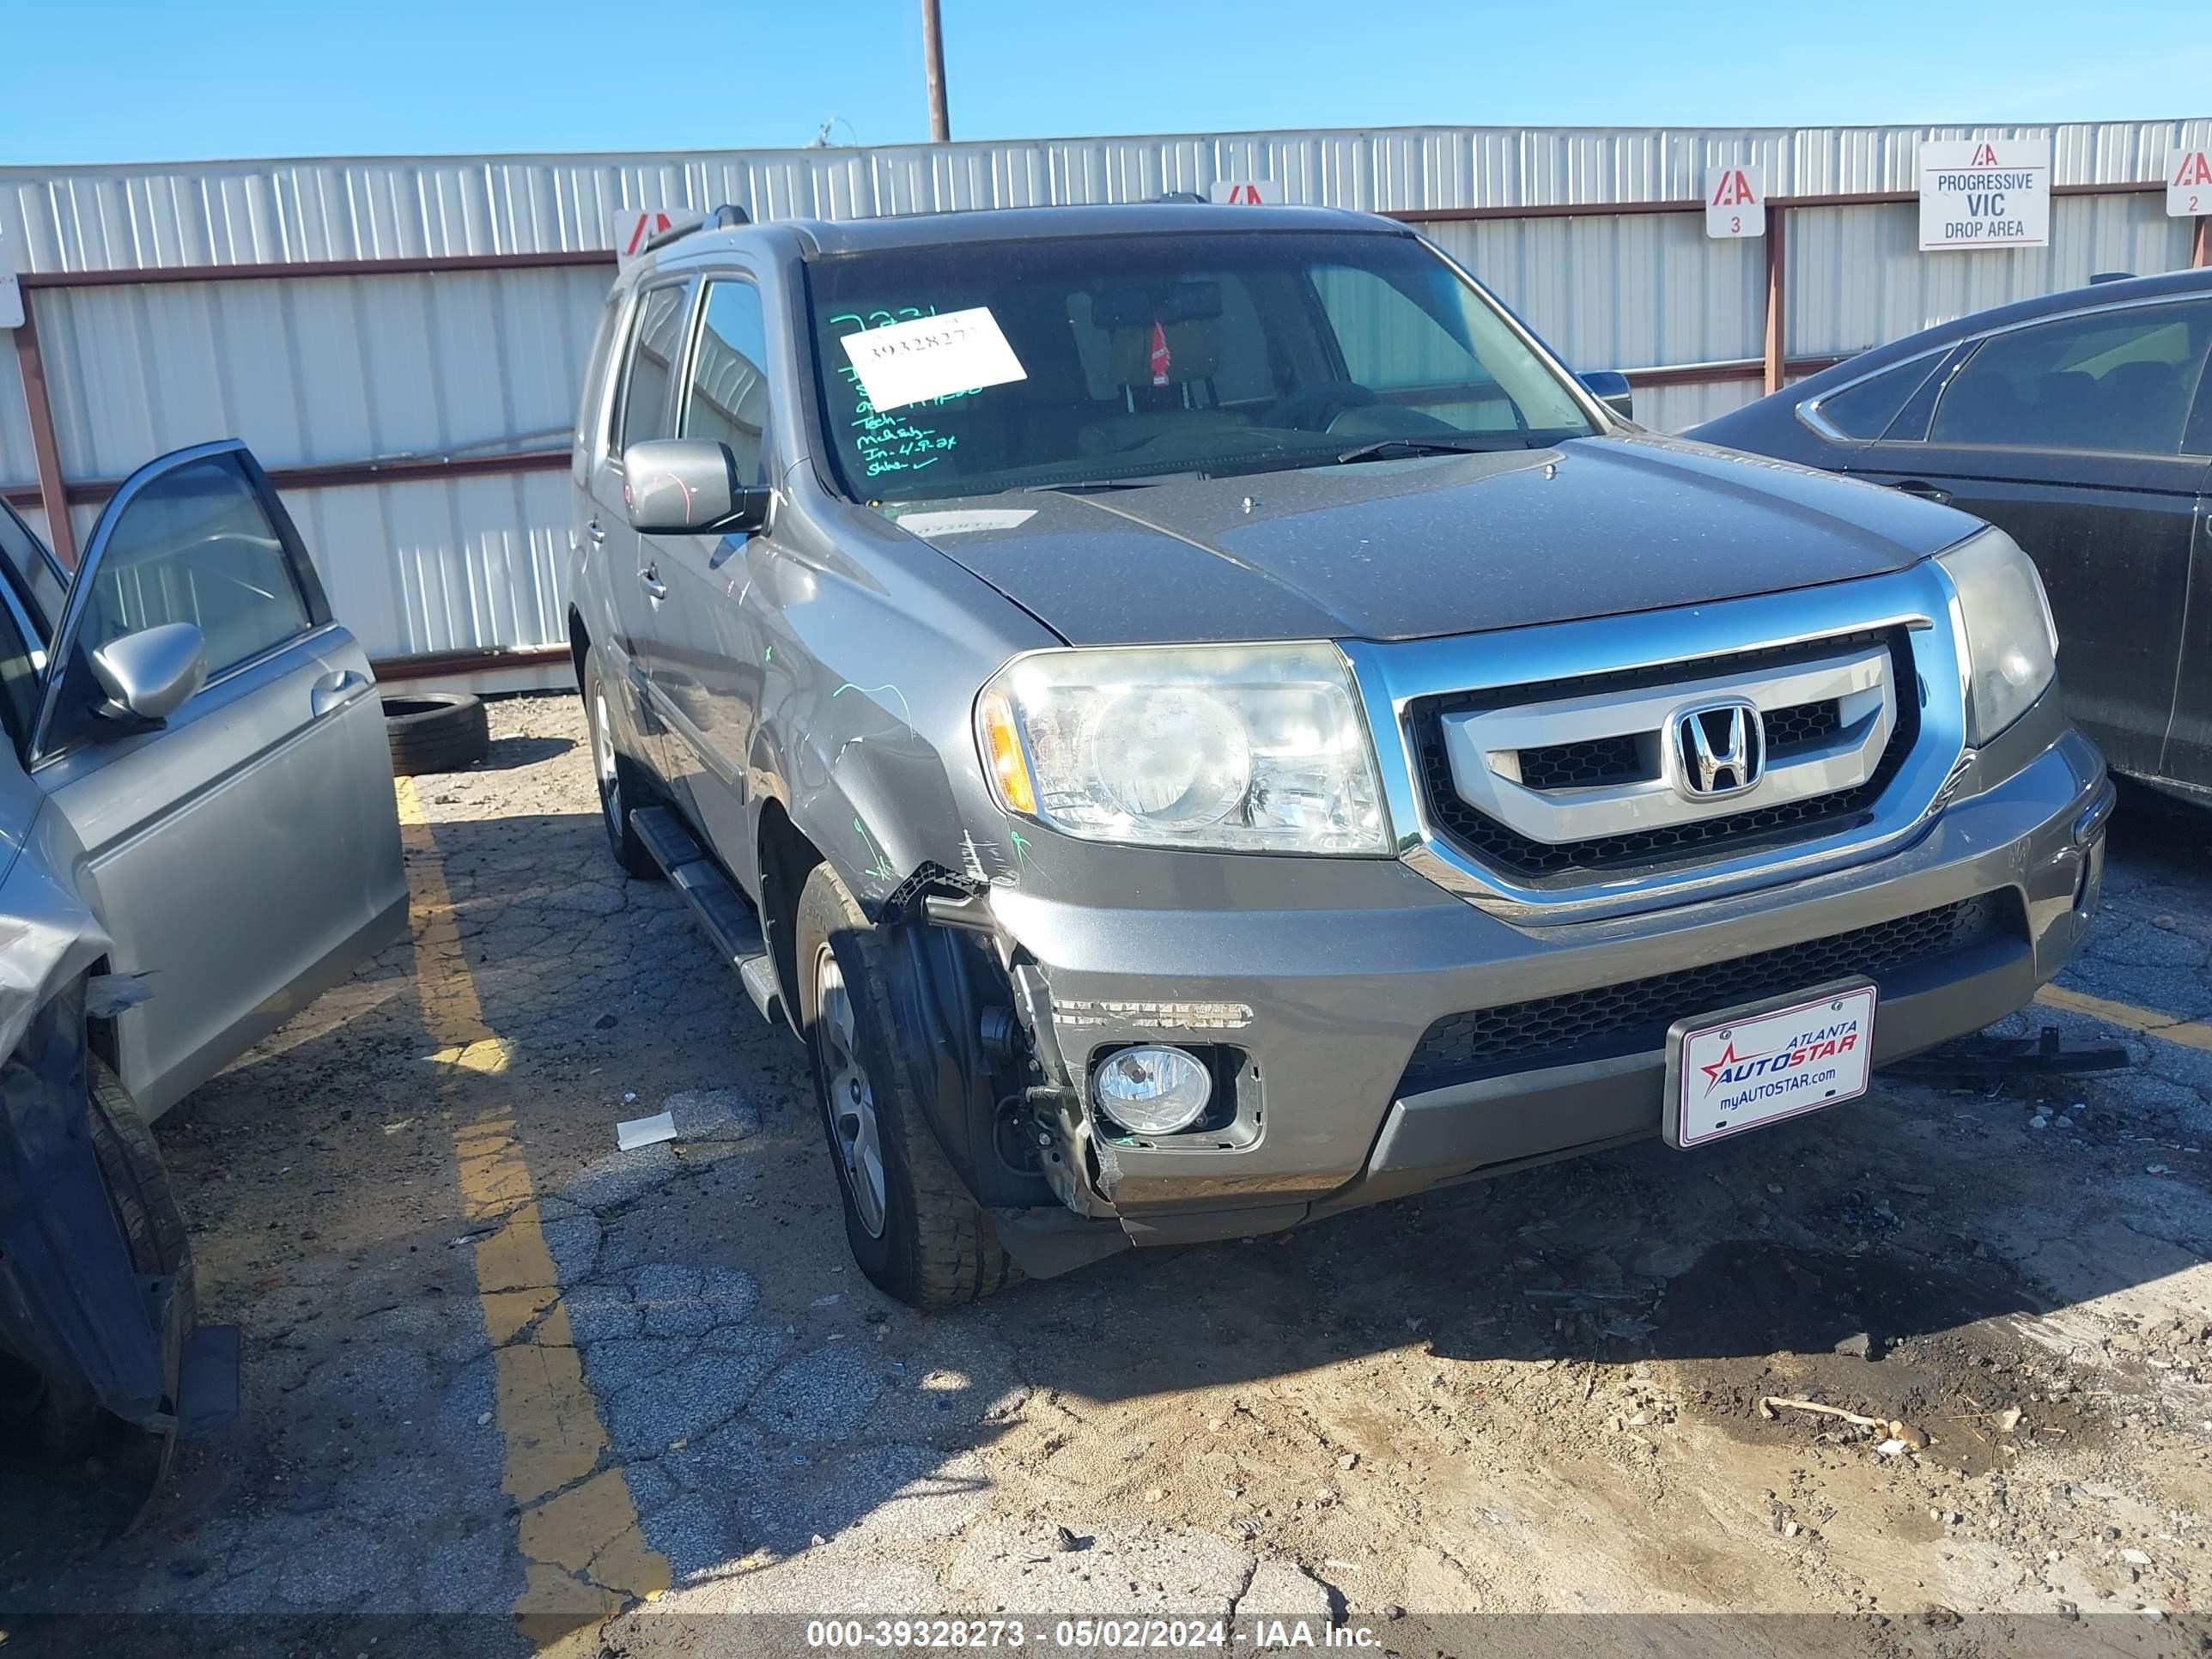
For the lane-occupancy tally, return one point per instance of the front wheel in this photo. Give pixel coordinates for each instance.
(622, 786)
(913, 1226)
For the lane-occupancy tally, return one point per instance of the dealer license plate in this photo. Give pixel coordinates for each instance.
(1758, 1064)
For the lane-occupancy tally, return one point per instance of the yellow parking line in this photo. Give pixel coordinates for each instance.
(583, 1556)
(2168, 1028)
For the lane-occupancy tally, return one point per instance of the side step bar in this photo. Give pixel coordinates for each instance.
(729, 920)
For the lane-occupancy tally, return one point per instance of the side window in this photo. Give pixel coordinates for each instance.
(590, 408)
(2119, 382)
(655, 345)
(36, 583)
(1865, 410)
(727, 399)
(196, 545)
(21, 659)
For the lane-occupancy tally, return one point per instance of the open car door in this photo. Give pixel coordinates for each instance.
(243, 848)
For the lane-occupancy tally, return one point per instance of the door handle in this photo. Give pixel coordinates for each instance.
(334, 691)
(596, 531)
(1926, 491)
(655, 587)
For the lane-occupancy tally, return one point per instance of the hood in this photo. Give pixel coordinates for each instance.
(1435, 545)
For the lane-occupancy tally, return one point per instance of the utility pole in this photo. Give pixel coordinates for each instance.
(932, 64)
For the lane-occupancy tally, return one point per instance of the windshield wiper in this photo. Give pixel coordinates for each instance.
(1133, 481)
(1393, 449)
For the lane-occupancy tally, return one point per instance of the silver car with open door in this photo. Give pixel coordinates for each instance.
(198, 836)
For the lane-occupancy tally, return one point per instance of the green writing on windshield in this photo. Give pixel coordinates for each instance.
(899, 440)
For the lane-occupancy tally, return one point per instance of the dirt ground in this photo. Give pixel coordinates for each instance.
(1536, 1396)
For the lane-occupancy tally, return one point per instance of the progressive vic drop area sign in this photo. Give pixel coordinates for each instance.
(1985, 193)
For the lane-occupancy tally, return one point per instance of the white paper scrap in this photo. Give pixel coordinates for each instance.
(965, 521)
(932, 357)
(645, 1132)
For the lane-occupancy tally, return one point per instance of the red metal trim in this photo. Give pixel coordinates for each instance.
(1543, 211)
(38, 404)
(338, 475)
(1669, 204)
(439, 664)
(1775, 354)
(141, 276)
(1720, 373)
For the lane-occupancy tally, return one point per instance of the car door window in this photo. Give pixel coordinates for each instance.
(196, 545)
(39, 584)
(21, 658)
(727, 399)
(2116, 382)
(653, 347)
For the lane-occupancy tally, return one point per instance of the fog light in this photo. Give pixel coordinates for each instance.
(1151, 1092)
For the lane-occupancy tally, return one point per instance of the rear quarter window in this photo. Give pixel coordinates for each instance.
(1867, 411)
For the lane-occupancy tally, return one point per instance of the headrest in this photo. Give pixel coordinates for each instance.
(1132, 305)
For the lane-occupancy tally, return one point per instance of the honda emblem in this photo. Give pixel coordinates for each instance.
(1718, 749)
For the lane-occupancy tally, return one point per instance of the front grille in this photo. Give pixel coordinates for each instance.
(1580, 765)
(1788, 729)
(1595, 761)
(1657, 846)
(1633, 1018)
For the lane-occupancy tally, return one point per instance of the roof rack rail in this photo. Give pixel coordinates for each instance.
(722, 218)
(1179, 195)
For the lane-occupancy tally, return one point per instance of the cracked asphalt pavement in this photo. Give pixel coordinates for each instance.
(510, 1390)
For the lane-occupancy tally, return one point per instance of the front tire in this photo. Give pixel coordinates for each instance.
(621, 781)
(912, 1225)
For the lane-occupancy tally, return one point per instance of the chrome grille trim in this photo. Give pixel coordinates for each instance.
(1394, 677)
(1484, 747)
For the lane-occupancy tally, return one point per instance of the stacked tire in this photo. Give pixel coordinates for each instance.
(435, 730)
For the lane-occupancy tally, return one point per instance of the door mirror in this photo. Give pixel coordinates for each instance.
(688, 487)
(1610, 388)
(148, 675)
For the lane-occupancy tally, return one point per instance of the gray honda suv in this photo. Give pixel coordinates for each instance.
(1201, 722)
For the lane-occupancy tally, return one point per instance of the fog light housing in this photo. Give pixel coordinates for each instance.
(1151, 1089)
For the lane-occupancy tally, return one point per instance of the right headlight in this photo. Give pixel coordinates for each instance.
(1229, 748)
(2012, 646)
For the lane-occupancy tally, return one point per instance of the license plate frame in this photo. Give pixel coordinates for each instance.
(1854, 1002)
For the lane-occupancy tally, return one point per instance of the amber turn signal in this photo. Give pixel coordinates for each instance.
(1002, 749)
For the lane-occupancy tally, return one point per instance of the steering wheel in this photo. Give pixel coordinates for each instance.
(1316, 408)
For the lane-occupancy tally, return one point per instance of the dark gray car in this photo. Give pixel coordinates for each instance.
(2081, 424)
(1201, 723)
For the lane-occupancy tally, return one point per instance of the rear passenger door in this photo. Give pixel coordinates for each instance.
(2067, 433)
(244, 853)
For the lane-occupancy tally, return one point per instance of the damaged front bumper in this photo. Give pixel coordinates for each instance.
(72, 1304)
(1339, 1013)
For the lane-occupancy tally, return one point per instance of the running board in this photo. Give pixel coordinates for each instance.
(729, 920)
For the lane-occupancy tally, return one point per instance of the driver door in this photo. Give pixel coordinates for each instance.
(244, 853)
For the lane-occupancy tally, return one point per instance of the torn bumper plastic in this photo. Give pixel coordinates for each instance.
(71, 1302)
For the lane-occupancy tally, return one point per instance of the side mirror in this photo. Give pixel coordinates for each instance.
(688, 487)
(1610, 388)
(148, 675)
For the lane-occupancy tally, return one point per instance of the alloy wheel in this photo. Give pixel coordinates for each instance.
(852, 1101)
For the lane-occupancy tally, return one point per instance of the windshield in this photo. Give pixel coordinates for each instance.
(1056, 361)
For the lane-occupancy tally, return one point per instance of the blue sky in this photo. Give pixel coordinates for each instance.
(148, 80)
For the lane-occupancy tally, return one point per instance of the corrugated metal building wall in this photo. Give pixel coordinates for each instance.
(329, 371)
